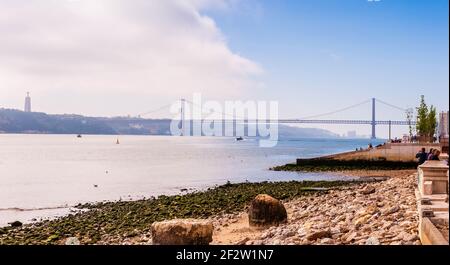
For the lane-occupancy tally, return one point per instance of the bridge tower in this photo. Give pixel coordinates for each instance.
(373, 119)
(182, 112)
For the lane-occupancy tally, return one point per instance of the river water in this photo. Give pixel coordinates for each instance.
(43, 175)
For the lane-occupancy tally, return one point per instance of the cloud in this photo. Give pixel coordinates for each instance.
(146, 47)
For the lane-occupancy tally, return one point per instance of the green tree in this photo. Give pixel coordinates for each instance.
(432, 121)
(426, 119)
(422, 115)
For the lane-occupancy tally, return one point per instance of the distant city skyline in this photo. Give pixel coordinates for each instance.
(118, 58)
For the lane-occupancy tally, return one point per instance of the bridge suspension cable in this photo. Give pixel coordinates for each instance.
(390, 105)
(220, 112)
(336, 111)
(155, 110)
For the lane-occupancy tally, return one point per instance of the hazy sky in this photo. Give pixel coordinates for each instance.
(113, 57)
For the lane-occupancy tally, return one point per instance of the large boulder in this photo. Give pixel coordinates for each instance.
(266, 211)
(16, 224)
(182, 232)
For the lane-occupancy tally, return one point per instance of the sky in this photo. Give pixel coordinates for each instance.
(118, 57)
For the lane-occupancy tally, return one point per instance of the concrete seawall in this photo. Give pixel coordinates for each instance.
(405, 152)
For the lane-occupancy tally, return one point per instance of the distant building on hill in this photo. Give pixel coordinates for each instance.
(351, 134)
(27, 103)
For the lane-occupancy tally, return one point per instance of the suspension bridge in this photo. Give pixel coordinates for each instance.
(373, 122)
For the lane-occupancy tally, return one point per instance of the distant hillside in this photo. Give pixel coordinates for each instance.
(296, 132)
(16, 121)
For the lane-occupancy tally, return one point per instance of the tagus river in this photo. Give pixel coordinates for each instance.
(43, 175)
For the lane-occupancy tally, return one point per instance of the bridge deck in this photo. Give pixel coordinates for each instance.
(292, 121)
(379, 122)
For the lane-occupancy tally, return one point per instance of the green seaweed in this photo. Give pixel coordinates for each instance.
(321, 165)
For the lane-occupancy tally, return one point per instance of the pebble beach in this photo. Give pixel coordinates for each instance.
(382, 213)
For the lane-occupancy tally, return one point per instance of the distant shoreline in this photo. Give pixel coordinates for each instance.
(16, 121)
(187, 136)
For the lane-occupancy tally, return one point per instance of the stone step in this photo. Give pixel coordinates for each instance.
(440, 217)
(435, 206)
(435, 197)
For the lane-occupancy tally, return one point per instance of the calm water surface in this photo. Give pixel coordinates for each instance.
(42, 175)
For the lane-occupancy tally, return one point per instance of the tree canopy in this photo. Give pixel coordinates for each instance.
(426, 119)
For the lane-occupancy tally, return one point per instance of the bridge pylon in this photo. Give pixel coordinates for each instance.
(373, 119)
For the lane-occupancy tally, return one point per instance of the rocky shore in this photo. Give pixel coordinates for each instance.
(128, 222)
(381, 213)
(380, 209)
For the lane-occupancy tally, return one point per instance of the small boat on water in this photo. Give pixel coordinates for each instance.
(239, 138)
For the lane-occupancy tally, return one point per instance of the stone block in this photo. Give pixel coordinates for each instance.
(428, 187)
(182, 232)
(426, 212)
(425, 201)
(435, 172)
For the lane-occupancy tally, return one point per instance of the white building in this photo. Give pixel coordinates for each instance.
(443, 125)
(443, 131)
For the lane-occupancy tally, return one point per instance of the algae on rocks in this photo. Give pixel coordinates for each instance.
(316, 164)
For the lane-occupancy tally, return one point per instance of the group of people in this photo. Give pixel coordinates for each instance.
(369, 146)
(396, 140)
(423, 156)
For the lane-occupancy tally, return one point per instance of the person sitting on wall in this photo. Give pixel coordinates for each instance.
(422, 156)
(430, 154)
(436, 154)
